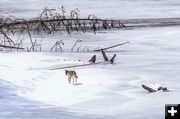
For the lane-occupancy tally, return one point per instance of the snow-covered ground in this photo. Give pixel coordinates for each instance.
(29, 90)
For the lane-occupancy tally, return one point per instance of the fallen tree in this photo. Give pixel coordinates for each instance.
(92, 61)
(80, 65)
(106, 48)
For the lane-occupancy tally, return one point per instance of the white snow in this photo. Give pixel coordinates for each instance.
(28, 89)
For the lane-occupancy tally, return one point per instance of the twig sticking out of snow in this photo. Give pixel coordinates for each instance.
(57, 46)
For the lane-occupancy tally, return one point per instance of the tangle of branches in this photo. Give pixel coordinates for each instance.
(52, 21)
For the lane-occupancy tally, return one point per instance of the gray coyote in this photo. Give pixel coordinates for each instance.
(71, 74)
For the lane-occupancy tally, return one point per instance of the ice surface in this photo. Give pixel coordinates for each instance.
(28, 89)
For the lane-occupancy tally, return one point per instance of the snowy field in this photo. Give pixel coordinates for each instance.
(29, 90)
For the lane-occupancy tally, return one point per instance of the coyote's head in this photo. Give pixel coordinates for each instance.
(66, 71)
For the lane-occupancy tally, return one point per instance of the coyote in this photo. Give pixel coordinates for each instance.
(71, 74)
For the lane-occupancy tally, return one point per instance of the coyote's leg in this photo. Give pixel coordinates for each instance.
(69, 79)
(73, 79)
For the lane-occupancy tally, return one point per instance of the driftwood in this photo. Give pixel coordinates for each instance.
(112, 46)
(92, 62)
(151, 90)
(13, 47)
(73, 66)
(148, 88)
